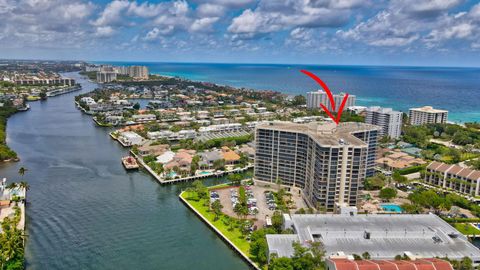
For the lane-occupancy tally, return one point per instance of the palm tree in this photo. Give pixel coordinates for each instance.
(12, 185)
(22, 171)
(25, 186)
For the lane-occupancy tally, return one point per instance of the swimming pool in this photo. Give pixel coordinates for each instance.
(204, 172)
(172, 174)
(392, 208)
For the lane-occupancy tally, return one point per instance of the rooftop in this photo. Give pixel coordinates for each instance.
(428, 109)
(383, 236)
(325, 133)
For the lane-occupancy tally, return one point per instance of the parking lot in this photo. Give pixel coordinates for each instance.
(258, 192)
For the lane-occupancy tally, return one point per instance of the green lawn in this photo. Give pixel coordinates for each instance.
(234, 235)
(466, 228)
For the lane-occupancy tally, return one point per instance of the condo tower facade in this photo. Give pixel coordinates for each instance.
(327, 161)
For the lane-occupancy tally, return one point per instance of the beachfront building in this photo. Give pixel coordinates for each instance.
(315, 98)
(427, 115)
(106, 74)
(382, 236)
(460, 179)
(137, 72)
(327, 161)
(388, 119)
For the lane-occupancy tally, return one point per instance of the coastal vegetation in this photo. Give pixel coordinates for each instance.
(12, 243)
(464, 138)
(5, 152)
(197, 197)
(438, 201)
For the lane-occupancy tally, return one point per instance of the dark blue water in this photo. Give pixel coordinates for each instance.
(86, 212)
(453, 89)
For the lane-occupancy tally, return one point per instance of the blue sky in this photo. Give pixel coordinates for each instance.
(373, 32)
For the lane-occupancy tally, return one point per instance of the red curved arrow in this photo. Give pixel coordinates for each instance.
(322, 84)
(330, 97)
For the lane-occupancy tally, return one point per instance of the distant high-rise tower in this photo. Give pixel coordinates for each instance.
(388, 119)
(427, 115)
(315, 98)
(327, 161)
(138, 72)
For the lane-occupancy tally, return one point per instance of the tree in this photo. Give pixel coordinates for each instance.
(366, 255)
(136, 106)
(219, 164)
(217, 208)
(235, 179)
(375, 182)
(281, 263)
(12, 185)
(200, 189)
(388, 193)
(259, 246)
(299, 100)
(277, 221)
(22, 171)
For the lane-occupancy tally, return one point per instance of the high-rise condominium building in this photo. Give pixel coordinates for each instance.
(139, 72)
(106, 74)
(388, 119)
(427, 115)
(315, 98)
(327, 161)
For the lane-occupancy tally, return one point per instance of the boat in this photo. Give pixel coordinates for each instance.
(130, 163)
(23, 109)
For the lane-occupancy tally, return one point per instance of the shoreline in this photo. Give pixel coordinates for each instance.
(251, 264)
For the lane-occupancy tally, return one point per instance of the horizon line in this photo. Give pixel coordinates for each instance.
(242, 63)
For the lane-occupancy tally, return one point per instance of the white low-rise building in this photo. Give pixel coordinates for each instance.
(172, 136)
(220, 128)
(129, 138)
(142, 118)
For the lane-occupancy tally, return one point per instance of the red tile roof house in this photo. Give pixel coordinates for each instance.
(418, 264)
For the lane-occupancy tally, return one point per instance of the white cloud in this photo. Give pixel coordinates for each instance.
(271, 16)
(112, 14)
(210, 10)
(203, 24)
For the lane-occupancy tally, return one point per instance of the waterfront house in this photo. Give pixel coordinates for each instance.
(229, 156)
(166, 157)
(182, 160)
(154, 150)
(248, 150)
(130, 138)
(114, 120)
(207, 158)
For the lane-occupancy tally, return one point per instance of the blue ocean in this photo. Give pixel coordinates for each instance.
(454, 89)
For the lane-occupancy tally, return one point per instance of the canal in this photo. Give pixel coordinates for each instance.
(86, 212)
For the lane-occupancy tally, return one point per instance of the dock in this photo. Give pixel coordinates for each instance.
(130, 163)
